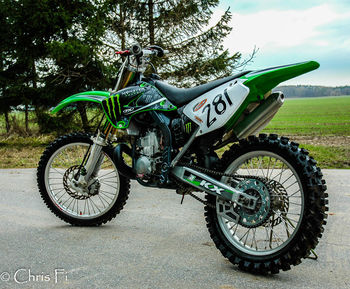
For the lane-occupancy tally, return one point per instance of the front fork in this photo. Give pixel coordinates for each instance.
(95, 157)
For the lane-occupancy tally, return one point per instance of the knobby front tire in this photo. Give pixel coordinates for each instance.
(60, 161)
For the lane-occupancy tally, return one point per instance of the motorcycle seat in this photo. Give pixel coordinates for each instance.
(182, 96)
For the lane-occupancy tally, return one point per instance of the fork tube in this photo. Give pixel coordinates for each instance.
(95, 160)
(95, 156)
(107, 130)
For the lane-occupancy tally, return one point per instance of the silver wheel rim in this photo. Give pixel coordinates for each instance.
(268, 238)
(92, 207)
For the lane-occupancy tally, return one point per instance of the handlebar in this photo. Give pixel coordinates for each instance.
(138, 52)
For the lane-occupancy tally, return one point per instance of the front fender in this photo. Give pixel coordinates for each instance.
(92, 96)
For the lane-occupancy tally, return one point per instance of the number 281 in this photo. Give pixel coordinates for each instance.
(219, 104)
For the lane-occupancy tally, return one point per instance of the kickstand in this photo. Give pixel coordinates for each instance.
(182, 200)
(314, 257)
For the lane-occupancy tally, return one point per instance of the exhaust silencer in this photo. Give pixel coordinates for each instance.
(260, 117)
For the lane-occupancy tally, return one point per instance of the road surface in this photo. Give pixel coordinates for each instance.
(154, 243)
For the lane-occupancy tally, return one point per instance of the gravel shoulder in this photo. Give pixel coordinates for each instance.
(333, 141)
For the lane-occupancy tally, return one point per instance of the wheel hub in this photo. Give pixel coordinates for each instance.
(258, 216)
(80, 191)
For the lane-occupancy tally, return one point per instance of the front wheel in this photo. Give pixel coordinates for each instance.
(96, 203)
(291, 205)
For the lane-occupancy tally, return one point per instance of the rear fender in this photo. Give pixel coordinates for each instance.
(91, 96)
(262, 81)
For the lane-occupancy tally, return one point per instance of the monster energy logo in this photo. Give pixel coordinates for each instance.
(188, 127)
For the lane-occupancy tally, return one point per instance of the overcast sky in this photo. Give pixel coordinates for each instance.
(290, 31)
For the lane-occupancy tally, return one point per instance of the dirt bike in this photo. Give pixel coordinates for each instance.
(264, 199)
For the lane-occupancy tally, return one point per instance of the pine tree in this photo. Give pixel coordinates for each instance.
(16, 76)
(77, 63)
(196, 53)
(51, 49)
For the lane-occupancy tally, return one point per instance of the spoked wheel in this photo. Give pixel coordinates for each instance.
(263, 234)
(291, 206)
(93, 203)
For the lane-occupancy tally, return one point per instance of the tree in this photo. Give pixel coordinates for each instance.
(29, 26)
(5, 32)
(76, 60)
(52, 52)
(180, 26)
(51, 48)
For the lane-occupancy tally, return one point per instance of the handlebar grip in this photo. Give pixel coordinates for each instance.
(160, 50)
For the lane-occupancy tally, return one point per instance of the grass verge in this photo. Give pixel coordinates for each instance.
(330, 157)
(22, 152)
(321, 125)
(26, 154)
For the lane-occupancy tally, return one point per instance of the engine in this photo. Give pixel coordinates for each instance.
(150, 146)
(149, 151)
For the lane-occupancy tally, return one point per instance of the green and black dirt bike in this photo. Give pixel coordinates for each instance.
(264, 200)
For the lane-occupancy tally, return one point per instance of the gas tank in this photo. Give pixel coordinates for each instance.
(122, 105)
(215, 108)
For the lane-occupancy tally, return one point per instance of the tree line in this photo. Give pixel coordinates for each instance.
(313, 90)
(51, 49)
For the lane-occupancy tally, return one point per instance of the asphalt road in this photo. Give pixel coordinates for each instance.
(154, 243)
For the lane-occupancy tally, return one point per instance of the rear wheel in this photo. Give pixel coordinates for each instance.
(97, 202)
(291, 208)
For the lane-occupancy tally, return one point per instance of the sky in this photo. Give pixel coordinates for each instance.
(291, 31)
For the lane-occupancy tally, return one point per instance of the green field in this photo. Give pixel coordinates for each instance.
(322, 125)
(319, 116)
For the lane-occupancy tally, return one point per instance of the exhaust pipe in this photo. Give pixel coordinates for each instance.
(260, 117)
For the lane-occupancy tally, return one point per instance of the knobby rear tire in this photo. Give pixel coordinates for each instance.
(124, 185)
(314, 213)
